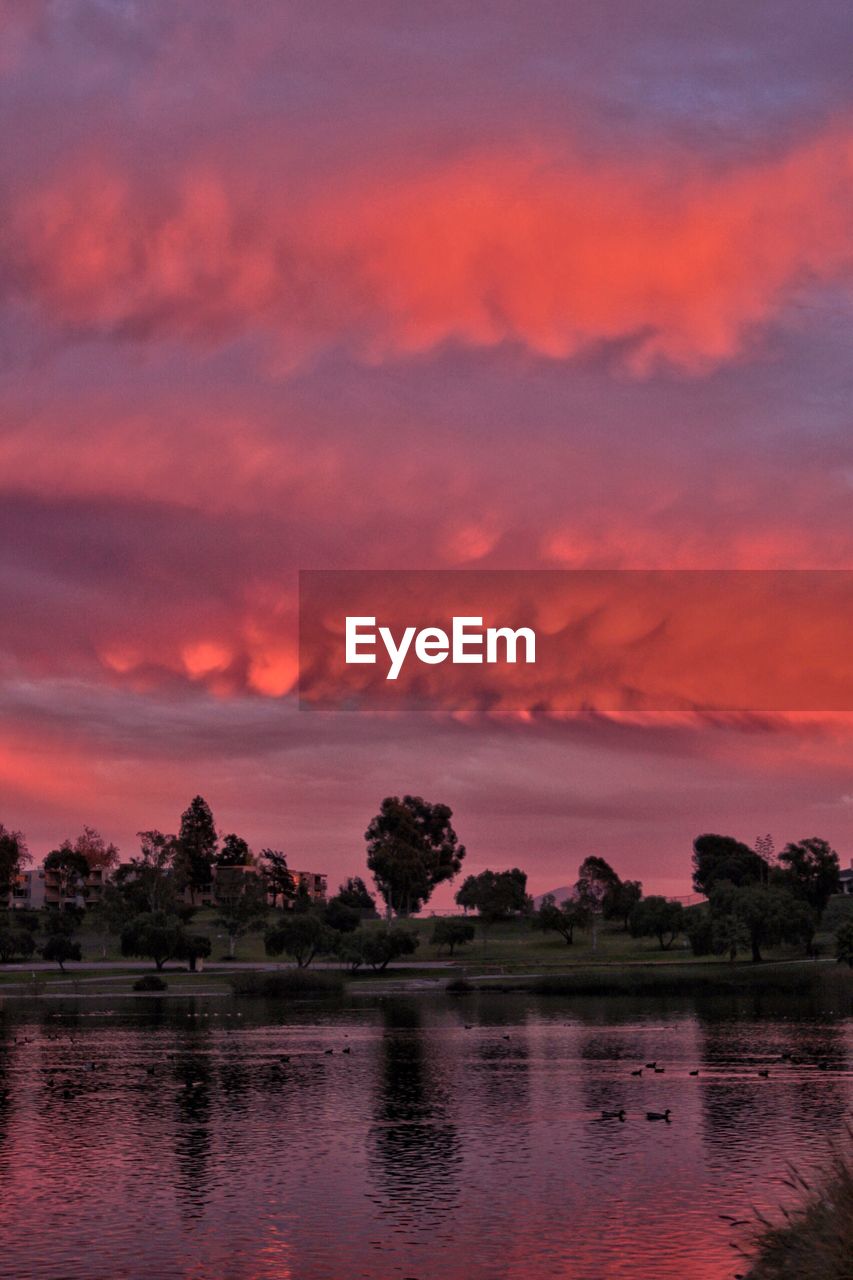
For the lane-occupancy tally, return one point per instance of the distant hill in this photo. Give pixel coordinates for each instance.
(560, 895)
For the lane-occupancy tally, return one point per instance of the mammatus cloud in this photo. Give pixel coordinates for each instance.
(678, 261)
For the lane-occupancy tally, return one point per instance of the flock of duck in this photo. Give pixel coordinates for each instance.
(764, 1072)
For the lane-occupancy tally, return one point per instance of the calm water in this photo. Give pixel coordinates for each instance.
(431, 1150)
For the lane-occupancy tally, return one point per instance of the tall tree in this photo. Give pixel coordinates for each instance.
(14, 856)
(99, 855)
(620, 900)
(810, 869)
(148, 881)
(242, 901)
(596, 881)
(196, 848)
(278, 879)
(235, 852)
(411, 848)
(719, 858)
(70, 868)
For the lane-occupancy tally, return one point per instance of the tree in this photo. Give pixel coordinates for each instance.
(810, 869)
(570, 915)
(242, 903)
(699, 927)
(378, 946)
(61, 948)
(596, 881)
(496, 895)
(657, 917)
(99, 855)
(718, 858)
(196, 847)
(411, 847)
(729, 935)
(768, 913)
(234, 853)
(71, 870)
(192, 948)
(110, 913)
(15, 943)
(844, 944)
(279, 880)
(302, 900)
(340, 917)
(302, 936)
(148, 880)
(451, 932)
(14, 856)
(355, 893)
(153, 935)
(620, 900)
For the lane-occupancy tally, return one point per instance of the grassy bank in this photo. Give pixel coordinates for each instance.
(691, 979)
(814, 1242)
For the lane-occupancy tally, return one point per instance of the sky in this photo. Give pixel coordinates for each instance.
(409, 286)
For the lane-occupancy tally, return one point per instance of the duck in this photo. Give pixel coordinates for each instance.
(659, 1071)
(613, 1115)
(346, 1050)
(694, 1073)
(658, 1115)
(638, 1072)
(328, 1052)
(764, 1072)
(651, 1065)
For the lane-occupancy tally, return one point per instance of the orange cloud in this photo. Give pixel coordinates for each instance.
(540, 247)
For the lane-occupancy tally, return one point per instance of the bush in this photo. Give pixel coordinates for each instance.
(377, 946)
(300, 935)
(452, 933)
(61, 949)
(292, 983)
(814, 1242)
(16, 944)
(150, 982)
(844, 944)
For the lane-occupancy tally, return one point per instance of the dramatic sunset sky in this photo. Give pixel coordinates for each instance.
(391, 285)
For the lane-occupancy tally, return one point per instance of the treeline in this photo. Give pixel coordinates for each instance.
(754, 899)
(150, 901)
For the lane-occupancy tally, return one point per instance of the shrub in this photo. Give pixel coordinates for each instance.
(459, 987)
(291, 982)
(815, 1242)
(16, 944)
(150, 982)
(452, 933)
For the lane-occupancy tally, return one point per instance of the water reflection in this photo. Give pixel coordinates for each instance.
(409, 1137)
(415, 1146)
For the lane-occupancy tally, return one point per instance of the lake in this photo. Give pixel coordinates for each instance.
(442, 1138)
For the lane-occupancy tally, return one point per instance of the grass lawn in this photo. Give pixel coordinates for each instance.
(509, 948)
